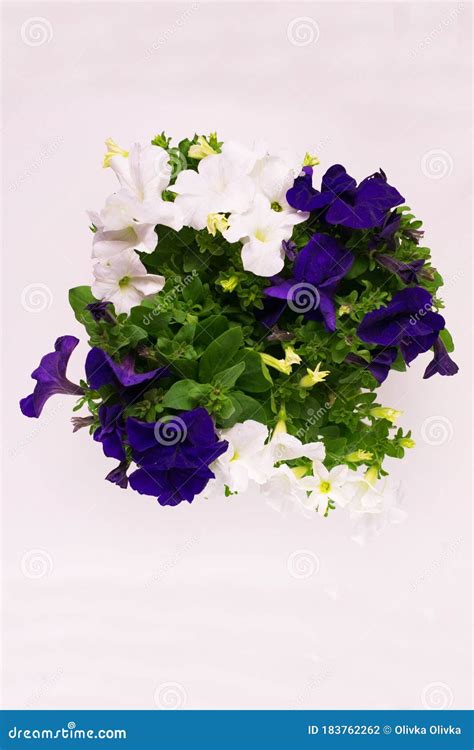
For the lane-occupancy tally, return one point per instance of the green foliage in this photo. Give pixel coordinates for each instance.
(204, 325)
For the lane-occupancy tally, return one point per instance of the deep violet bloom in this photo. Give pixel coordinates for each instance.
(381, 362)
(174, 456)
(387, 232)
(111, 431)
(379, 365)
(362, 206)
(51, 377)
(441, 362)
(118, 475)
(102, 370)
(102, 311)
(290, 249)
(317, 271)
(409, 273)
(406, 322)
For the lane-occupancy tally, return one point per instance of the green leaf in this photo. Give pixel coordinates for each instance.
(185, 394)
(339, 350)
(447, 340)
(227, 378)
(186, 368)
(220, 354)
(246, 407)
(256, 378)
(79, 297)
(358, 267)
(193, 292)
(209, 329)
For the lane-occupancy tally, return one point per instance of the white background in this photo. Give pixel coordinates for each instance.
(125, 597)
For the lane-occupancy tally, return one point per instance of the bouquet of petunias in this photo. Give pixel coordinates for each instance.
(244, 310)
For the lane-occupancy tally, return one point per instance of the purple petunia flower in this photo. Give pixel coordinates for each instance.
(379, 365)
(102, 370)
(409, 273)
(407, 322)
(111, 431)
(51, 377)
(441, 362)
(118, 475)
(102, 311)
(381, 362)
(317, 271)
(174, 456)
(362, 206)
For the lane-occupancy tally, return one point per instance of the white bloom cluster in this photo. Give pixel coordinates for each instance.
(126, 225)
(240, 192)
(250, 186)
(254, 459)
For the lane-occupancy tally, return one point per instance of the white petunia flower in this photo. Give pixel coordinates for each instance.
(273, 177)
(374, 506)
(262, 231)
(246, 458)
(336, 484)
(283, 490)
(124, 281)
(129, 217)
(221, 185)
(119, 229)
(286, 447)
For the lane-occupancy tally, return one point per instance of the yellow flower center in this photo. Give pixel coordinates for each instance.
(324, 487)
